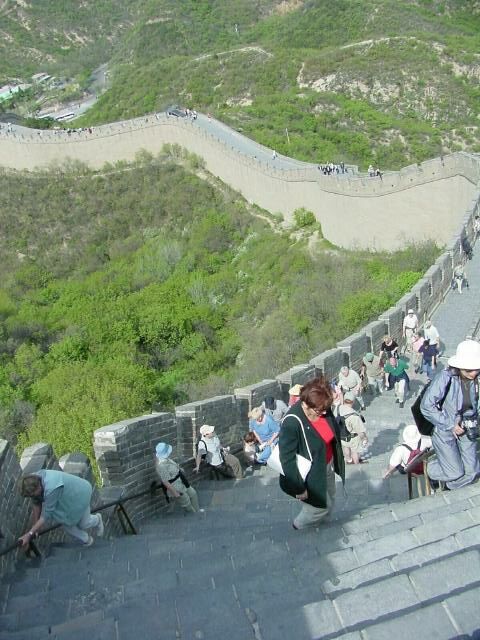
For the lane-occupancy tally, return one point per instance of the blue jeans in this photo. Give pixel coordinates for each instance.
(428, 369)
(456, 462)
(262, 456)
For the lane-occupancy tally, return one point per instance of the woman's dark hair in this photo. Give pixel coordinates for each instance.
(249, 437)
(269, 403)
(317, 394)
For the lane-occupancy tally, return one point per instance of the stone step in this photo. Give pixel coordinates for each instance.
(385, 602)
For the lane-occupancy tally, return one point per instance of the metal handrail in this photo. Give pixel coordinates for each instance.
(123, 517)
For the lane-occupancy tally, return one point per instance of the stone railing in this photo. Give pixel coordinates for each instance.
(124, 450)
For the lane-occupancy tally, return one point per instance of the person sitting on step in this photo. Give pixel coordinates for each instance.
(412, 441)
(266, 432)
(218, 458)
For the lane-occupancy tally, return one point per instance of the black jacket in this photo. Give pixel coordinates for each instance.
(291, 442)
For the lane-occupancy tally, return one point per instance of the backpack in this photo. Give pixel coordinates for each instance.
(344, 433)
(417, 468)
(425, 426)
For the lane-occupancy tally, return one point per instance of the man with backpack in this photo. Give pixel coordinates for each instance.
(413, 443)
(352, 430)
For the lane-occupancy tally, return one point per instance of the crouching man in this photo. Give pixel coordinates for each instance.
(61, 498)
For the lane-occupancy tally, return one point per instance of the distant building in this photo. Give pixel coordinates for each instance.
(9, 90)
(41, 77)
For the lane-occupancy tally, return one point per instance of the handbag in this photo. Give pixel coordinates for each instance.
(303, 464)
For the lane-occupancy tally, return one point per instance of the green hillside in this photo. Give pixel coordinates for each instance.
(388, 82)
(148, 283)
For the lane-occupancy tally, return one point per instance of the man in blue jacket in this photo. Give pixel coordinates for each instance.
(451, 405)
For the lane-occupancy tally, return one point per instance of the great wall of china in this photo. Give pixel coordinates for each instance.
(123, 450)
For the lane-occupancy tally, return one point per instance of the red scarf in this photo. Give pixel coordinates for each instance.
(324, 430)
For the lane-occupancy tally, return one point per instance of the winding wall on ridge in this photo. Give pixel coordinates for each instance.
(418, 202)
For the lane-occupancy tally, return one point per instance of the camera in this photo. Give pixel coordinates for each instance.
(471, 429)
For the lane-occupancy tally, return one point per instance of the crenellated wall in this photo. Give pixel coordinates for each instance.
(125, 450)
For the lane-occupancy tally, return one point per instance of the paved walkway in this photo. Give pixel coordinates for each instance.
(385, 420)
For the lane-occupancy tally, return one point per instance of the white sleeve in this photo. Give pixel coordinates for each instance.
(399, 456)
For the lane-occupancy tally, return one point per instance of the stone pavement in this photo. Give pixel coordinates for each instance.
(240, 571)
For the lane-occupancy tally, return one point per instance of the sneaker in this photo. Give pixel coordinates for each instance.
(201, 511)
(100, 526)
(88, 543)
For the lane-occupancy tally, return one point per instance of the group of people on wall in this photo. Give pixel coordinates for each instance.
(319, 428)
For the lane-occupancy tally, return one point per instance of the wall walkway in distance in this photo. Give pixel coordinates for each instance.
(424, 201)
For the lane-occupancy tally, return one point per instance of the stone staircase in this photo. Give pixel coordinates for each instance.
(240, 571)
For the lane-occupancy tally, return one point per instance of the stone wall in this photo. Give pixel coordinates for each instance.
(118, 462)
(351, 208)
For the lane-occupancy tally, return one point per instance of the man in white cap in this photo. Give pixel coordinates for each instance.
(450, 404)
(410, 327)
(210, 450)
(173, 480)
(412, 444)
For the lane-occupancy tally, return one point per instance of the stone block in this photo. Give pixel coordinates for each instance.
(330, 362)
(376, 331)
(356, 577)
(464, 609)
(433, 622)
(408, 301)
(425, 553)
(444, 576)
(375, 600)
(442, 527)
(424, 299)
(434, 275)
(445, 264)
(387, 546)
(254, 394)
(393, 318)
(300, 374)
(356, 346)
